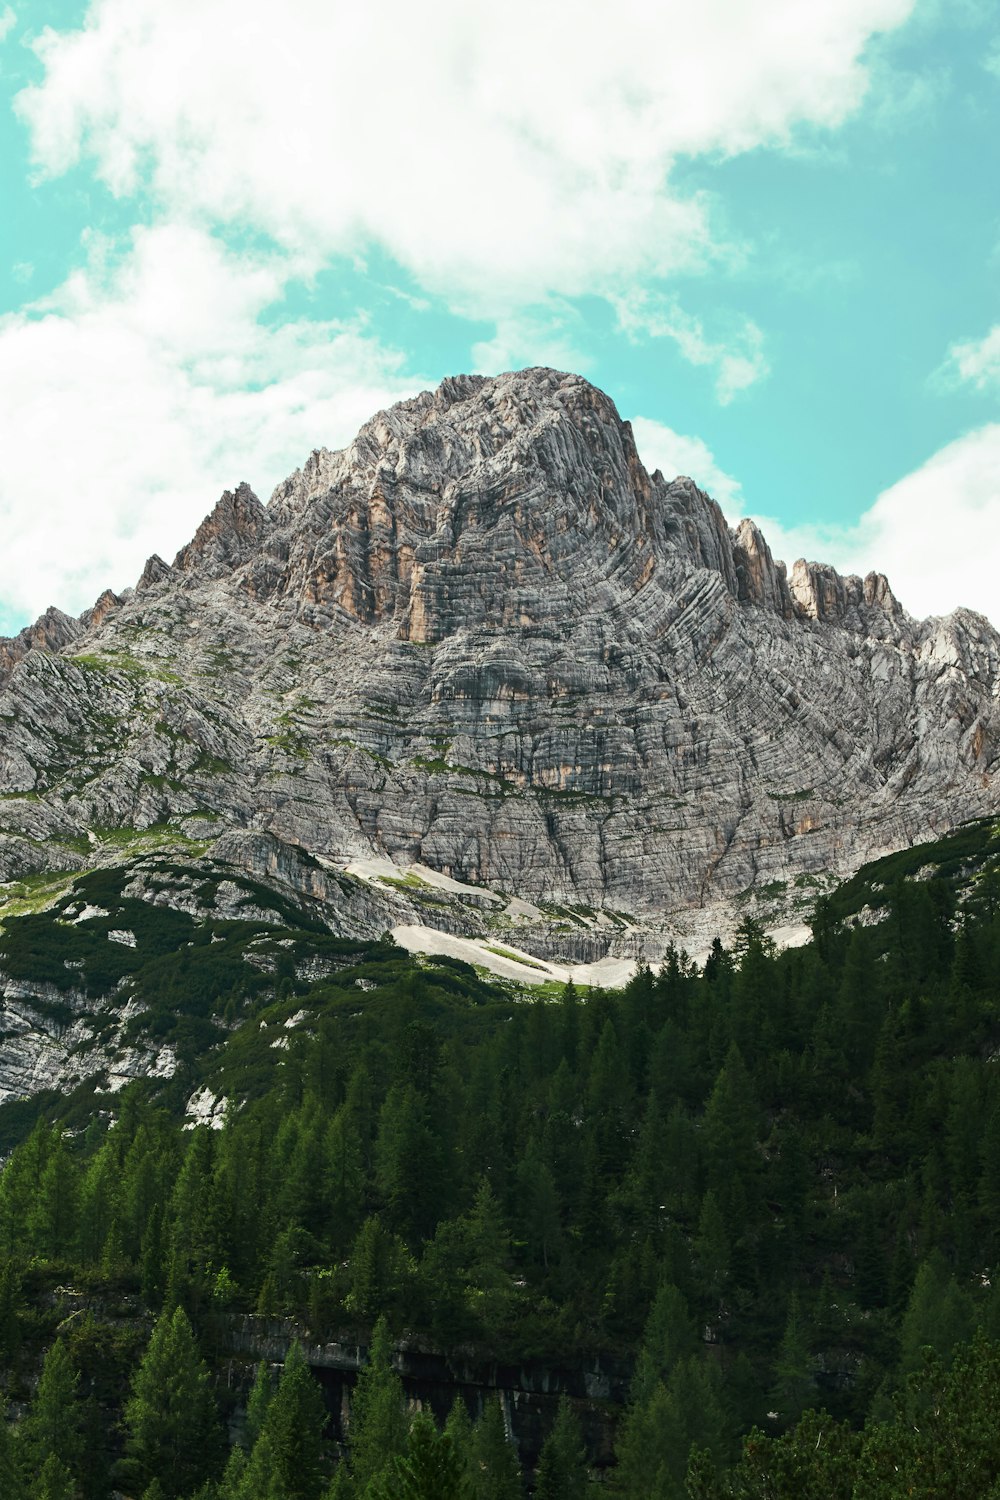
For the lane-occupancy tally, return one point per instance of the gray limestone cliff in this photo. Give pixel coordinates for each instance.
(483, 639)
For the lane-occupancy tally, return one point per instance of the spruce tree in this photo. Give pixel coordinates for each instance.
(171, 1420)
(496, 1473)
(286, 1460)
(431, 1469)
(52, 1427)
(562, 1464)
(377, 1428)
(11, 1485)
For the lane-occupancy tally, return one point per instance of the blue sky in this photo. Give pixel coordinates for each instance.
(770, 231)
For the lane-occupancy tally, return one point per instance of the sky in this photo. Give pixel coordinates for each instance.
(231, 232)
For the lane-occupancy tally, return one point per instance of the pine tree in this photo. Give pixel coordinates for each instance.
(286, 1460)
(257, 1403)
(371, 1264)
(408, 1164)
(496, 1473)
(562, 1464)
(173, 1431)
(54, 1481)
(939, 1316)
(652, 1448)
(54, 1218)
(11, 1486)
(345, 1179)
(729, 1129)
(98, 1202)
(459, 1429)
(712, 1252)
(431, 1470)
(541, 1216)
(793, 1383)
(20, 1184)
(193, 1211)
(10, 1307)
(377, 1429)
(487, 1243)
(53, 1424)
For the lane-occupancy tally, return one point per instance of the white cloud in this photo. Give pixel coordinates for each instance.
(142, 388)
(933, 532)
(499, 153)
(660, 447)
(8, 20)
(737, 359)
(540, 335)
(976, 361)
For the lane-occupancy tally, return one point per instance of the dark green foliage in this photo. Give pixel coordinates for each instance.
(52, 1429)
(54, 1480)
(562, 1464)
(377, 1431)
(285, 1462)
(258, 1402)
(772, 1186)
(171, 1417)
(495, 1471)
(431, 1470)
(11, 1484)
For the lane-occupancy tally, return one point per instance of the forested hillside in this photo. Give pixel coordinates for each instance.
(766, 1188)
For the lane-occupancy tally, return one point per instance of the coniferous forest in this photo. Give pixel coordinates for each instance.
(765, 1190)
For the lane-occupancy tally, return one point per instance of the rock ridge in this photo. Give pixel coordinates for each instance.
(484, 639)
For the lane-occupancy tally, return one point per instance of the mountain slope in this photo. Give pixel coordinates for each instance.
(484, 639)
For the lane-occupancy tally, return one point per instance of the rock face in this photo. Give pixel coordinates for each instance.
(485, 639)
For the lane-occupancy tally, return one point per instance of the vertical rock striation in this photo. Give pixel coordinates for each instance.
(483, 638)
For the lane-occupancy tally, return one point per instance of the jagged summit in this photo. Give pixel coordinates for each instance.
(466, 475)
(483, 639)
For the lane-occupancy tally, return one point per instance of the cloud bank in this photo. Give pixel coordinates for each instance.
(140, 390)
(498, 153)
(508, 159)
(933, 533)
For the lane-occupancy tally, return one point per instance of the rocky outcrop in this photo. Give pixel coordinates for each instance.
(484, 640)
(596, 1385)
(51, 632)
(227, 537)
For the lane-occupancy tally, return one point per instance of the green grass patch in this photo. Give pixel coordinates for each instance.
(517, 958)
(407, 882)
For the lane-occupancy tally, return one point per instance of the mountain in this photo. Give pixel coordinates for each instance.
(481, 687)
(663, 1216)
(482, 644)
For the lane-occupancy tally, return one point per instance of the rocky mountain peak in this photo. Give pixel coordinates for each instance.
(475, 501)
(226, 537)
(51, 632)
(514, 481)
(154, 572)
(483, 641)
